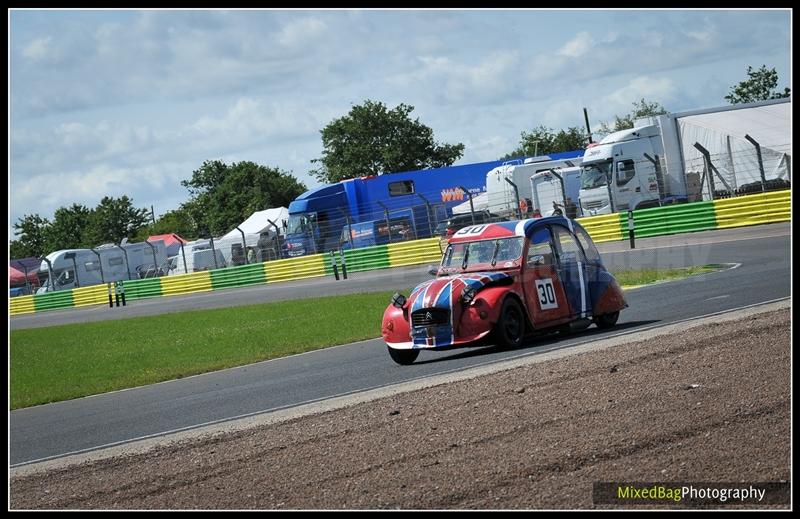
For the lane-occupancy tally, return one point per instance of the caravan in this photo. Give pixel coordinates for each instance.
(75, 268)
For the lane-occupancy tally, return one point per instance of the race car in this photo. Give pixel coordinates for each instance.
(502, 281)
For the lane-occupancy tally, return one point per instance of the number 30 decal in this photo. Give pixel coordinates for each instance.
(546, 293)
(471, 230)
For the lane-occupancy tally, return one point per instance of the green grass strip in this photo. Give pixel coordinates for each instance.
(62, 362)
(630, 278)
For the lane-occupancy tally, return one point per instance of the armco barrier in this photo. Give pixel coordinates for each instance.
(296, 268)
(367, 258)
(753, 209)
(21, 305)
(602, 228)
(93, 295)
(670, 219)
(699, 216)
(414, 252)
(181, 284)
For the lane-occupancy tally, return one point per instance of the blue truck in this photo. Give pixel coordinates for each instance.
(422, 198)
(318, 216)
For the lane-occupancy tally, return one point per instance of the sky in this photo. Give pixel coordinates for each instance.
(120, 102)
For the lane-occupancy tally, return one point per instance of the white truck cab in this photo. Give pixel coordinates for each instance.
(618, 166)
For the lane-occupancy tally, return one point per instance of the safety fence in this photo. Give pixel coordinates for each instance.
(699, 216)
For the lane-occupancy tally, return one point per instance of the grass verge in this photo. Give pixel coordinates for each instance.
(631, 278)
(70, 361)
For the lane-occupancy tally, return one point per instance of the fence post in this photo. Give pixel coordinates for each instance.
(100, 261)
(213, 252)
(50, 273)
(386, 216)
(244, 246)
(128, 265)
(155, 261)
(760, 162)
(471, 207)
(516, 198)
(428, 213)
(659, 178)
(71, 255)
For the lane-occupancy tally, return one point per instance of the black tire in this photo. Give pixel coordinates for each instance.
(606, 320)
(403, 357)
(510, 329)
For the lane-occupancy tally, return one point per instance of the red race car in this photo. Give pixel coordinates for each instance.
(507, 279)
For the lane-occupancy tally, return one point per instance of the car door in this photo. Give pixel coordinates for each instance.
(571, 266)
(545, 297)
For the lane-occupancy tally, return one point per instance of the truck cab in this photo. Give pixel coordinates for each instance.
(617, 176)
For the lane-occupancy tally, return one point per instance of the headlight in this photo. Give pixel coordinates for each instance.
(468, 294)
(398, 300)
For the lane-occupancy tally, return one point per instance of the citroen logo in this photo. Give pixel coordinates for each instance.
(429, 316)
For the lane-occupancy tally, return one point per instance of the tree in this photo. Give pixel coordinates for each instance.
(543, 141)
(223, 196)
(179, 222)
(759, 87)
(32, 232)
(640, 109)
(114, 219)
(371, 140)
(70, 228)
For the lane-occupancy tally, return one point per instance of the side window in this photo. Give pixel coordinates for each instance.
(540, 252)
(569, 250)
(625, 172)
(404, 187)
(588, 245)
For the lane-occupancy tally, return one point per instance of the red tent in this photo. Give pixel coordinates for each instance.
(16, 276)
(172, 242)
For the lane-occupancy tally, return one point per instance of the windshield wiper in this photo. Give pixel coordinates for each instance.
(466, 258)
(494, 253)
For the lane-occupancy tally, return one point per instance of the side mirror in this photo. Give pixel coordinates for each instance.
(433, 270)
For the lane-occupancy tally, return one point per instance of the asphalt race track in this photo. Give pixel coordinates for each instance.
(762, 274)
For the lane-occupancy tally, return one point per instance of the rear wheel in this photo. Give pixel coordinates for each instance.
(403, 357)
(606, 320)
(510, 329)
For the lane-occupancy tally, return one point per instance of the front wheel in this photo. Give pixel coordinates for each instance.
(510, 329)
(403, 357)
(606, 320)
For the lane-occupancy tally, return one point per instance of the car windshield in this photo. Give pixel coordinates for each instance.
(486, 253)
(595, 175)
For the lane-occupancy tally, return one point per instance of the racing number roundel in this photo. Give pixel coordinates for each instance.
(546, 294)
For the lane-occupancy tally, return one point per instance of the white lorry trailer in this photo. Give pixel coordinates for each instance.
(547, 188)
(74, 268)
(502, 198)
(660, 161)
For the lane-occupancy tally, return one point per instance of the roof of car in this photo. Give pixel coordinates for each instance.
(508, 229)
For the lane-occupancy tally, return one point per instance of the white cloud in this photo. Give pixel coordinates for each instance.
(578, 46)
(38, 49)
(650, 88)
(299, 33)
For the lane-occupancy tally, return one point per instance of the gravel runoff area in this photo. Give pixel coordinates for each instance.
(707, 404)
